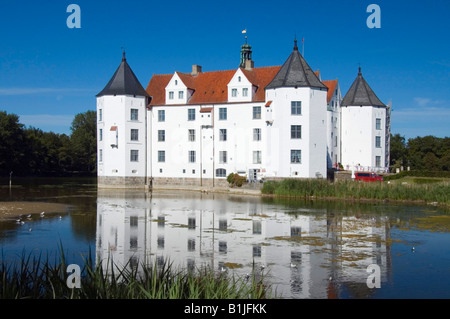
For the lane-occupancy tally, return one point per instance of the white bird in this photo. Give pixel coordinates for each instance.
(413, 249)
(293, 265)
(42, 214)
(29, 229)
(29, 216)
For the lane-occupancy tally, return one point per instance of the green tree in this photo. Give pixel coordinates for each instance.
(12, 145)
(83, 142)
(398, 151)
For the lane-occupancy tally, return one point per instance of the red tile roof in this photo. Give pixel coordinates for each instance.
(331, 85)
(211, 87)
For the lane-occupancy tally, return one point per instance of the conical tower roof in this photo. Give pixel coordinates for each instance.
(123, 82)
(295, 72)
(360, 94)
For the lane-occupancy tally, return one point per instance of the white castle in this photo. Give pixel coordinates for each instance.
(193, 129)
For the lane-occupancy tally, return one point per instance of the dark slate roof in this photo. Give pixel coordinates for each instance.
(360, 94)
(123, 82)
(295, 72)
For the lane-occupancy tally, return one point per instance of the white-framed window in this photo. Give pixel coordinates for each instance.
(378, 124)
(134, 156)
(161, 135)
(161, 156)
(222, 157)
(221, 172)
(100, 155)
(296, 156)
(191, 156)
(256, 157)
(191, 135)
(245, 92)
(257, 112)
(378, 161)
(222, 134)
(100, 115)
(171, 95)
(161, 115)
(233, 92)
(296, 131)
(222, 114)
(134, 135)
(257, 134)
(378, 141)
(181, 95)
(296, 108)
(100, 135)
(191, 114)
(134, 115)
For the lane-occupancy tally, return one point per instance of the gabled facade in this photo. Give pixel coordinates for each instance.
(196, 128)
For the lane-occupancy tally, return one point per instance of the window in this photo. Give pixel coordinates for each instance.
(233, 92)
(100, 115)
(223, 157)
(239, 79)
(296, 156)
(257, 134)
(134, 135)
(181, 95)
(161, 116)
(191, 156)
(378, 141)
(100, 155)
(256, 157)
(191, 136)
(257, 112)
(191, 114)
(161, 135)
(222, 134)
(134, 115)
(221, 172)
(335, 141)
(244, 92)
(100, 135)
(378, 124)
(134, 156)
(161, 156)
(378, 161)
(296, 131)
(296, 108)
(222, 113)
(171, 95)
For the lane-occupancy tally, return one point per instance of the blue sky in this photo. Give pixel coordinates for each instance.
(49, 73)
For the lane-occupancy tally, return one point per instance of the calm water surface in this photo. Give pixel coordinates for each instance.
(304, 249)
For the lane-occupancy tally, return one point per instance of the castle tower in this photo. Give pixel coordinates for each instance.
(363, 134)
(297, 100)
(121, 130)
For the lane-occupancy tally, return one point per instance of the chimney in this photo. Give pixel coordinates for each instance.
(196, 69)
(249, 64)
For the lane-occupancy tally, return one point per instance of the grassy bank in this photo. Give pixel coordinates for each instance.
(437, 192)
(33, 278)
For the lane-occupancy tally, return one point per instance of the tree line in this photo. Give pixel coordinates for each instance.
(28, 151)
(428, 153)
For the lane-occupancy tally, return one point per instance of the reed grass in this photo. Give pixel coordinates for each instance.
(35, 278)
(306, 188)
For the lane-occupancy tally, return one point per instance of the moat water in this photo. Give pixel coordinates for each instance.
(304, 249)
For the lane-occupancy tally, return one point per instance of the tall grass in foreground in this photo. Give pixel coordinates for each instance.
(33, 278)
(305, 188)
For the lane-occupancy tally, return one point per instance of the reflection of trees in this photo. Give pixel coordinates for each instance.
(84, 219)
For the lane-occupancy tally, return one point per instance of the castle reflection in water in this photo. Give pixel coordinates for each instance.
(304, 252)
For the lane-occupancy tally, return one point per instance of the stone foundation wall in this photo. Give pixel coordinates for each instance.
(161, 182)
(120, 182)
